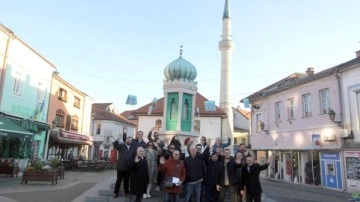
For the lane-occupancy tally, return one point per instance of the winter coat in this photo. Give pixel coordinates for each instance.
(212, 171)
(251, 179)
(222, 146)
(168, 168)
(231, 170)
(151, 158)
(194, 166)
(124, 155)
(139, 177)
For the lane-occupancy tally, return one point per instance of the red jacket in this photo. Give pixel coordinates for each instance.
(168, 168)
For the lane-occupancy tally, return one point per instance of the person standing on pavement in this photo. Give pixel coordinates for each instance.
(139, 176)
(227, 181)
(211, 194)
(125, 153)
(195, 173)
(175, 169)
(151, 154)
(160, 145)
(218, 144)
(138, 141)
(239, 158)
(250, 179)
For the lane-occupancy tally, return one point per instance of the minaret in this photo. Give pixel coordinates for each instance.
(226, 46)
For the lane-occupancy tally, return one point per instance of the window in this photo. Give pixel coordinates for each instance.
(62, 95)
(158, 124)
(173, 109)
(324, 101)
(278, 111)
(235, 141)
(258, 121)
(186, 110)
(291, 108)
(74, 122)
(76, 102)
(197, 126)
(306, 105)
(59, 118)
(18, 84)
(98, 129)
(40, 94)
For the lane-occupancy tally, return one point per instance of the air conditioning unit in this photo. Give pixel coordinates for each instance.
(344, 133)
(329, 137)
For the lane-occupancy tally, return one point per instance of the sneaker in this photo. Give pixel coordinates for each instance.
(157, 188)
(148, 195)
(145, 196)
(115, 195)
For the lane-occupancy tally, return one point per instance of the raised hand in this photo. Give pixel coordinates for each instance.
(162, 160)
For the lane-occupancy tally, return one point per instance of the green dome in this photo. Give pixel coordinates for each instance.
(180, 69)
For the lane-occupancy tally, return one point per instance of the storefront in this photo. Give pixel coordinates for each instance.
(331, 170)
(67, 145)
(352, 170)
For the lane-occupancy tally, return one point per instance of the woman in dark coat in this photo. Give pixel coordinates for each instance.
(139, 176)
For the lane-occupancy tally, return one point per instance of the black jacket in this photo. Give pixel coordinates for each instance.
(231, 170)
(212, 170)
(125, 155)
(139, 177)
(194, 166)
(251, 179)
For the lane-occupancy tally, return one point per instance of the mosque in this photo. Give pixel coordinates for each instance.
(183, 111)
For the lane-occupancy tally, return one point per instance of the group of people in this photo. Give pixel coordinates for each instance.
(194, 169)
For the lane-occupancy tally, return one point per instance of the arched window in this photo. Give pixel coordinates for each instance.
(197, 126)
(173, 109)
(186, 110)
(158, 124)
(59, 118)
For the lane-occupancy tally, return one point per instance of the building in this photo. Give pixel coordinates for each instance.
(294, 121)
(25, 82)
(242, 119)
(107, 125)
(70, 118)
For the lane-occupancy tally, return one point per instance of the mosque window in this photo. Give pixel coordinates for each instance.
(197, 126)
(186, 110)
(173, 109)
(158, 125)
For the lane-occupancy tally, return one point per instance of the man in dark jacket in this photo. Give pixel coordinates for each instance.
(227, 179)
(138, 141)
(211, 194)
(250, 179)
(125, 152)
(194, 173)
(139, 176)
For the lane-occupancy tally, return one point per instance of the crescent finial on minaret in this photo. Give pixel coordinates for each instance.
(181, 50)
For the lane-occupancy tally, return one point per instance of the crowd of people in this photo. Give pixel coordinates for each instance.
(193, 168)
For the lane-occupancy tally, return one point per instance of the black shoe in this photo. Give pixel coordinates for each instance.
(115, 195)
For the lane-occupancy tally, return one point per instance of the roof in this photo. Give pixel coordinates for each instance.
(245, 113)
(99, 112)
(158, 111)
(296, 79)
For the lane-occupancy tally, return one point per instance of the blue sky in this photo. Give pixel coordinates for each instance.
(109, 49)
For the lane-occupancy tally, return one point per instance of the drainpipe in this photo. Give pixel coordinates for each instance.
(3, 71)
(340, 97)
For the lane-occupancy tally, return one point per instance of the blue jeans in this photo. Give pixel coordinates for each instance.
(196, 188)
(168, 197)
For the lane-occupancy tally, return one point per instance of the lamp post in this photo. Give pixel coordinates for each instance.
(332, 115)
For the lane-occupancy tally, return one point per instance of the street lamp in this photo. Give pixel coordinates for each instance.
(262, 126)
(332, 115)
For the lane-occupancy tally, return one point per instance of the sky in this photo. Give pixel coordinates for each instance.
(112, 48)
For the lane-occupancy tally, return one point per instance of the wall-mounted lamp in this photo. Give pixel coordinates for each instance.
(256, 106)
(332, 115)
(262, 126)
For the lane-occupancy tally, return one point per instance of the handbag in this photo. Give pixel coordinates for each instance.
(168, 180)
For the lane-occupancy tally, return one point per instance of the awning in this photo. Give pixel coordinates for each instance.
(70, 138)
(10, 129)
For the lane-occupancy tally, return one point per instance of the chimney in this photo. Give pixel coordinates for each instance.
(357, 53)
(310, 71)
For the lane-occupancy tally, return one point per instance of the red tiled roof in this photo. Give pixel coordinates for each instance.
(158, 111)
(99, 112)
(245, 113)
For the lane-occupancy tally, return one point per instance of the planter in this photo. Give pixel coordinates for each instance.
(9, 170)
(40, 175)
